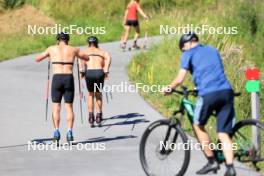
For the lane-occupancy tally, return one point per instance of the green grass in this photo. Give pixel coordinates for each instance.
(104, 13)
(159, 66)
(108, 14)
(10, 4)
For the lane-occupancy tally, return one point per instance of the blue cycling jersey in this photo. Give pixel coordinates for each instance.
(205, 64)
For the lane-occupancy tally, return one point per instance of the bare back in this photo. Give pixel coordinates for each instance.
(96, 58)
(62, 58)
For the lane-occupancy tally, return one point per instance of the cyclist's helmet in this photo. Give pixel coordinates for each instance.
(190, 36)
(63, 36)
(93, 40)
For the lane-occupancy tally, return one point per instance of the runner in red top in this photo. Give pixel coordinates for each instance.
(131, 20)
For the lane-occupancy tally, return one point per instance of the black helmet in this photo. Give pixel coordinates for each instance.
(63, 36)
(190, 36)
(93, 39)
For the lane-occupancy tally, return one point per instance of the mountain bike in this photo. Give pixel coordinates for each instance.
(160, 154)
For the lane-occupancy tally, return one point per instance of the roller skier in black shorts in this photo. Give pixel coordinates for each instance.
(95, 71)
(62, 57)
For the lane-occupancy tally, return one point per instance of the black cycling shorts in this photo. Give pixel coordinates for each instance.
(220, 102)
(62, 85)
(132, 23)
(94, 79)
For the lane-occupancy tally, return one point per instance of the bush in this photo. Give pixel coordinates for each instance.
(10, 4)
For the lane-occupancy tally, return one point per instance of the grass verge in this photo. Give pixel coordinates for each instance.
(160, 65)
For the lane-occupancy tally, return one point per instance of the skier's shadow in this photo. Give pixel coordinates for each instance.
(124, 116)
(42, 140)
(127, 120)
(105, 139)
(131, 122)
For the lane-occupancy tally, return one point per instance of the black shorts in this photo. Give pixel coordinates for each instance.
(62, 85)
(220, 102)
(132, 23)
(94, 79)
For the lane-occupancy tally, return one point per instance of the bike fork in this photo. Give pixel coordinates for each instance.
(163, 151)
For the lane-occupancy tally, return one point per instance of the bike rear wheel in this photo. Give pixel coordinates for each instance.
(161, 152)
(246, 151)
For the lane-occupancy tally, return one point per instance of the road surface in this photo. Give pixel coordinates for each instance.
(22, 119)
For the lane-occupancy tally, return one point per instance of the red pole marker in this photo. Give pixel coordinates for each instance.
(253, 86)
(252, 74)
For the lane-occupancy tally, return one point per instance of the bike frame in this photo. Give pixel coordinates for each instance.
(185, 106)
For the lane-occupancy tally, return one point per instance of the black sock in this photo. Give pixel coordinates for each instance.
(211, 159)
(228, 166)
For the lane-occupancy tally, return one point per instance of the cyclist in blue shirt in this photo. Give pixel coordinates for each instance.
(215, 95)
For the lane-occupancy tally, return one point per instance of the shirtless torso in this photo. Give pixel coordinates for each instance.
(98, 59)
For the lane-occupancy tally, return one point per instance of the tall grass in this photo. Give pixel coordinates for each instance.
(10, 4)
(82, 13)
(159, 66)
(247, 17)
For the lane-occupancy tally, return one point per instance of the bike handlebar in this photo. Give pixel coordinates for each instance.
(194, 92)
(186, 92)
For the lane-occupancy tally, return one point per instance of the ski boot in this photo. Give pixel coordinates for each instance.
(56, 137)
(69, 136)
(123, 47)
(91, 119)
(99, 119)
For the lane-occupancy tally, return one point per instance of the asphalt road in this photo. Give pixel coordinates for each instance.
(115, 145)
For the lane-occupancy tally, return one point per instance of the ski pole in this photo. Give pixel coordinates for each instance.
(111, 95)
(80, 91)
(106, 95)
(83, 96)
(144, 45)
(47, 92)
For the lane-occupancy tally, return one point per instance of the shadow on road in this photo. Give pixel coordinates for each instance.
(37, 141)
(41, 140)
(127, 120)
(125, 116)
(131, 122)
(13, 146)
(105, 139)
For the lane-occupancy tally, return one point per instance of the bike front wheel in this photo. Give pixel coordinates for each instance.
(164, 149)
